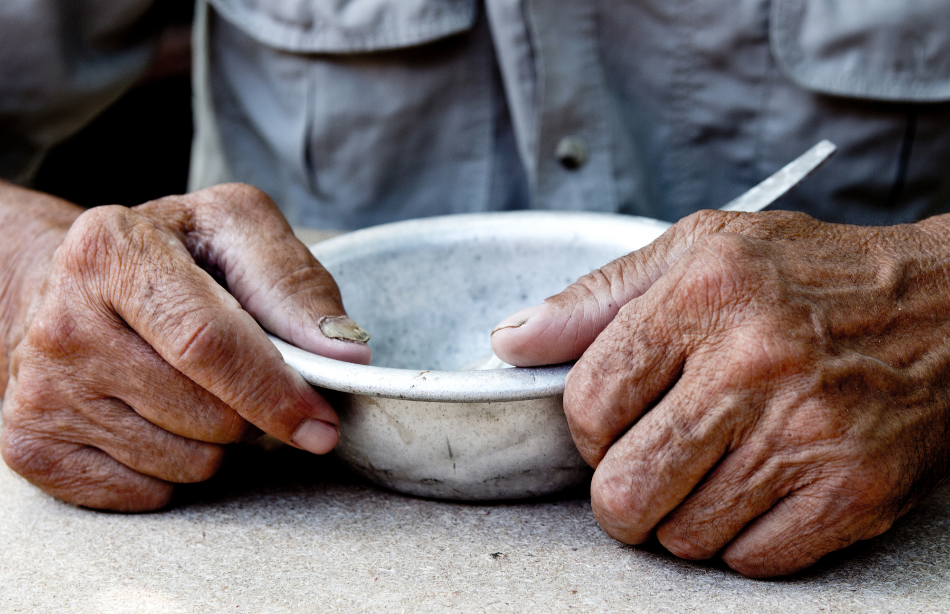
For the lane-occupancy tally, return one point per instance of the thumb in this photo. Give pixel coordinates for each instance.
(562, 327)
(271, 273)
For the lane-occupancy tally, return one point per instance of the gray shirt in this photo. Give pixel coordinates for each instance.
(62, 63)
(361, 112)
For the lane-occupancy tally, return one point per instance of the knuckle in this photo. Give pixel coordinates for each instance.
(232, 429)
(862, 490)
(264, 399)
(58, 335)
(701, 282)
(244, 191)
(618, 508)
(78, 474)
(103, 255)
(727, 256)
(785, 549)
(686, 542)
(592, 420)
(96, 481)
(702, 223)
(200, 463)
(750, 565)
(67, 468)
(688, 433)
(23, 452)
(719, 268)
(204, 349)
(202, 337)
(47, 463)
(94, 239)
(762, 357)
(234, 200)
(768, 225)
(29, 405)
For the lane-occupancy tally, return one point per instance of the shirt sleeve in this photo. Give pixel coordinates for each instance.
(62, 63)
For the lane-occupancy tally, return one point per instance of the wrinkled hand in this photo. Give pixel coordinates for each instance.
(135, 365)
(762, 386)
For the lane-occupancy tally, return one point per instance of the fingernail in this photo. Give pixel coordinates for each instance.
(517, 320)
(342, 328)
(316, 436)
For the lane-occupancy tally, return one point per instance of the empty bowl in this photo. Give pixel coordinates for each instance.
(430, 291)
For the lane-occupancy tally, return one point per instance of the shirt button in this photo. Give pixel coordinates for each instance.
(571, 152)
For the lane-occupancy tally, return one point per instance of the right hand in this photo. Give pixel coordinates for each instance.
(135, 365)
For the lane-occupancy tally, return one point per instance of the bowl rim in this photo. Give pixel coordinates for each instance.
(488, 386)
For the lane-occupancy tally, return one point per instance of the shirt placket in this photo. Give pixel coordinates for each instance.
(573, 161)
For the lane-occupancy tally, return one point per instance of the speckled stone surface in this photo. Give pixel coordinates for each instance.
(284, 532)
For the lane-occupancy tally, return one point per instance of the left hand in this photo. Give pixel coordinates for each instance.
(762, 386)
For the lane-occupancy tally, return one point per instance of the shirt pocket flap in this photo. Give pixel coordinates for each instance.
(347, 26)
(889, 50)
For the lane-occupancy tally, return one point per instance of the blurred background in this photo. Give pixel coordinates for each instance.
(113, 160)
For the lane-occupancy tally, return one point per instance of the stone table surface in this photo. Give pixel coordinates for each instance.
(282, 531)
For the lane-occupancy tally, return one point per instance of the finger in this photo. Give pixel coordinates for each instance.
(801, 529)
(652, 469)
(160, 393)
(644, 350)
(745, 485)
(564, 325)
(768, 457)
(149, 280)
(114, 428)
(654, 466)
(238, 231)
(109, 425)
(620, 377)
(686, 324)
(82, 475)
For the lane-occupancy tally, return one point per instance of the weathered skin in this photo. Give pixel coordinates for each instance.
(129, 365)
(765, 387)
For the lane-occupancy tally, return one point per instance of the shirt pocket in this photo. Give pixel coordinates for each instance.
(359, 112)
(353, 26)
(886, 50)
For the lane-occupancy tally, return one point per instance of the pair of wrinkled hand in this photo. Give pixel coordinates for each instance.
(760, 386)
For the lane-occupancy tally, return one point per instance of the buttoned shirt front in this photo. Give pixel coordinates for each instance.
(374, 110)
(361, 112)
